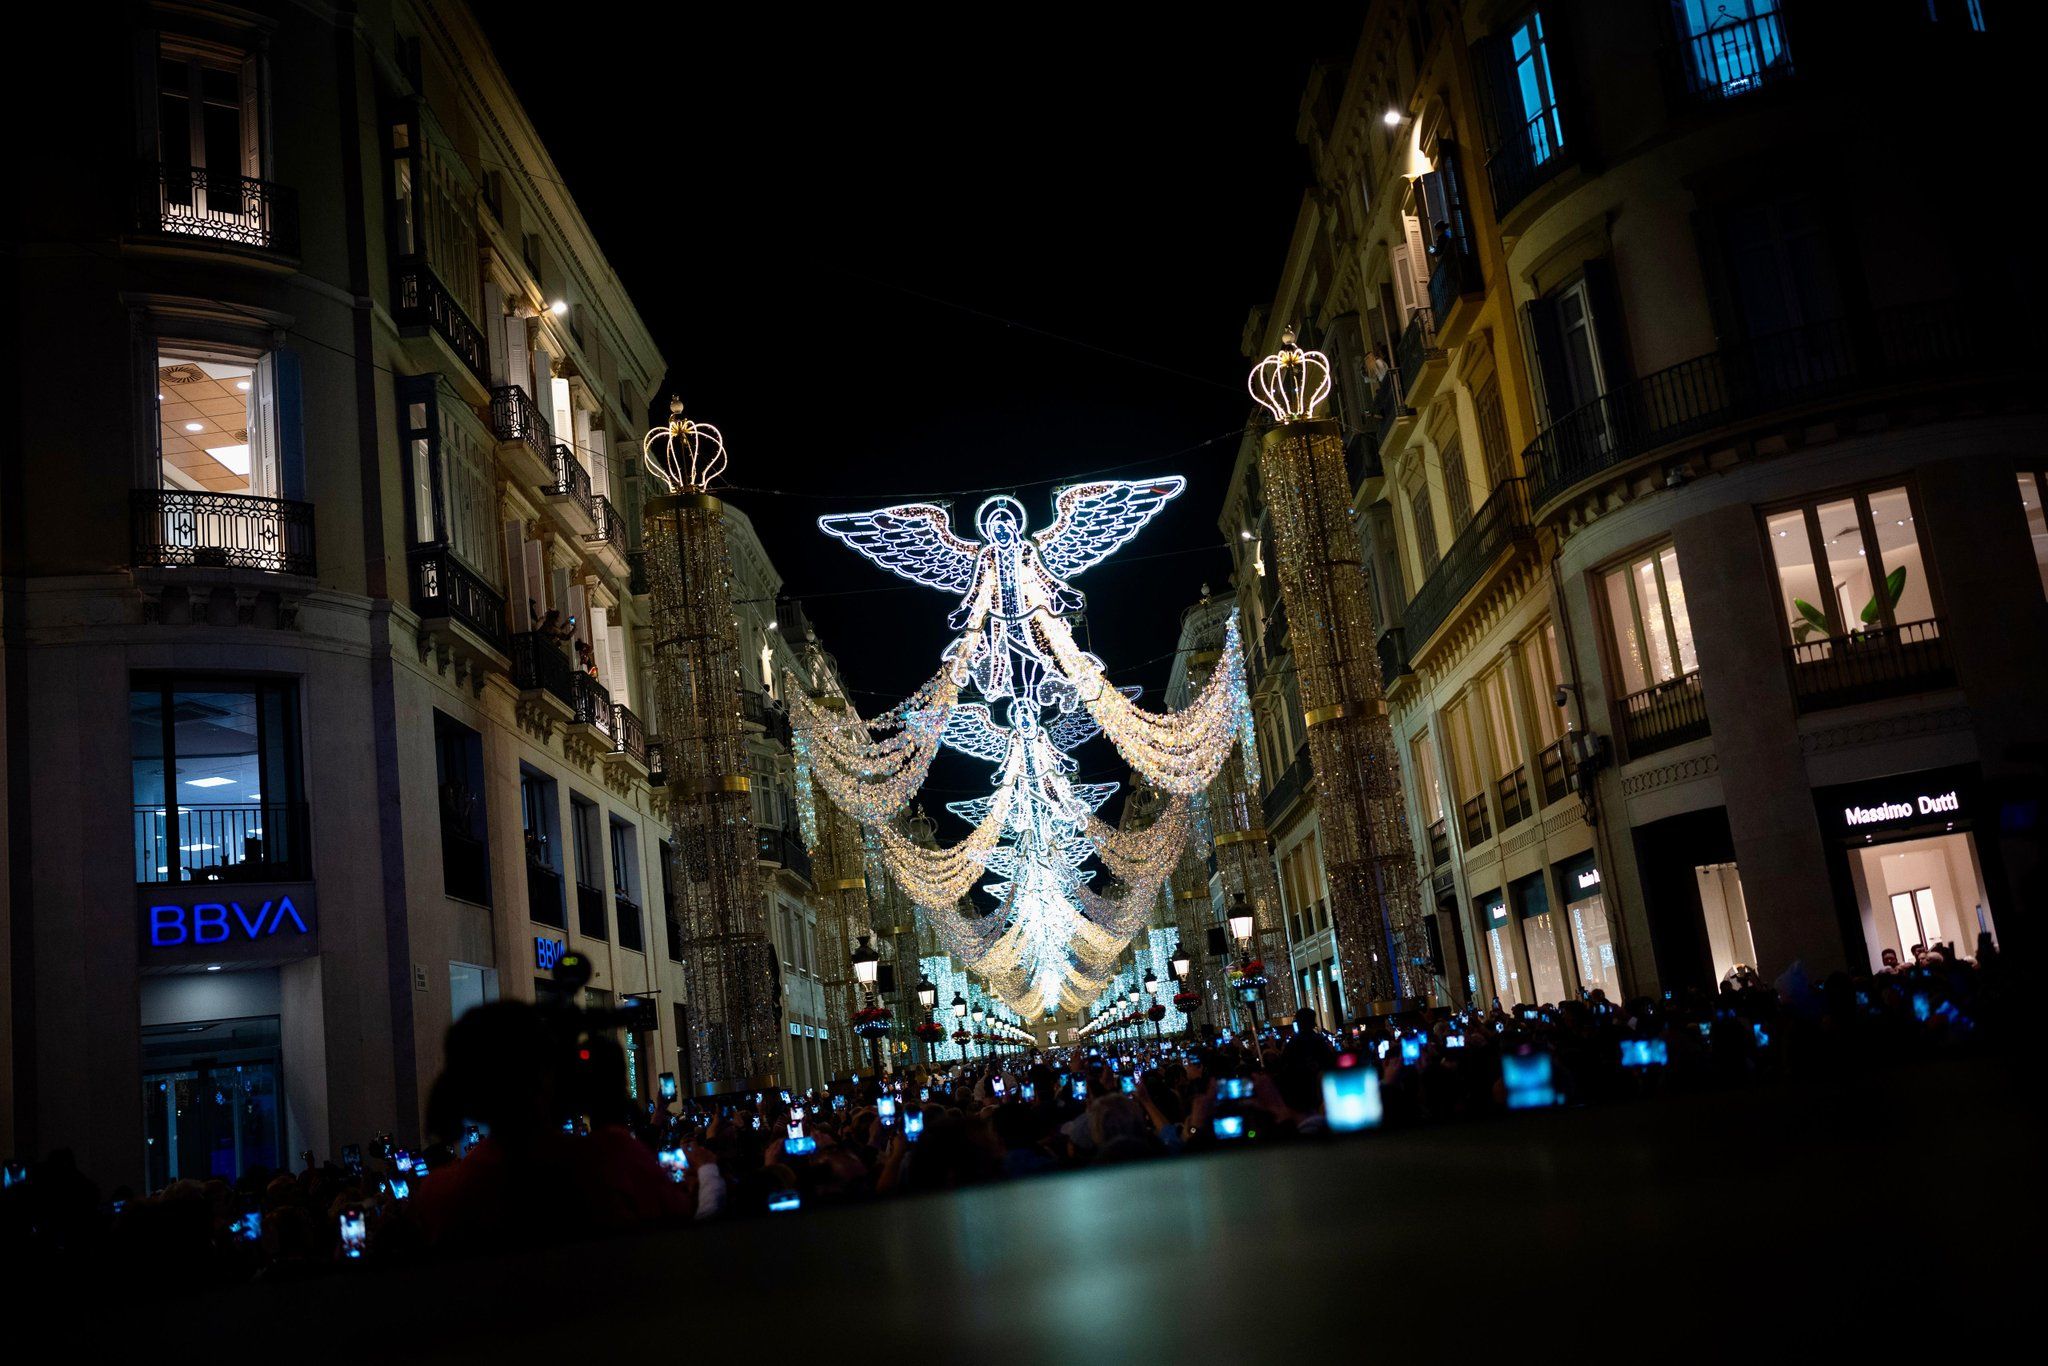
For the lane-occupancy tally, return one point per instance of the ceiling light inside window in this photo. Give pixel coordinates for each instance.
(215, 781)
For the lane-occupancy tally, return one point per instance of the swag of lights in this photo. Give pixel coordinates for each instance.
(1032, 695)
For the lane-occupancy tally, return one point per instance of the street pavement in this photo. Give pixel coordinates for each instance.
(1872, 1212)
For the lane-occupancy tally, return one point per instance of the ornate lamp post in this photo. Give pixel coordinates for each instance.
(980, 1043)
(873, 1020)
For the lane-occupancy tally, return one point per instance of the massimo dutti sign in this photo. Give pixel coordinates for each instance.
(1914, 801)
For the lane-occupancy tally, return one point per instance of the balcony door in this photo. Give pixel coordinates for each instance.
(217, 421)
(209, 139)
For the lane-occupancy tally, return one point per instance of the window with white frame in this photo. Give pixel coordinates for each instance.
(1850, 565)
(1646, 614)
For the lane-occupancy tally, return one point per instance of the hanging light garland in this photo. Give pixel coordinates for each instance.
(1051, 942)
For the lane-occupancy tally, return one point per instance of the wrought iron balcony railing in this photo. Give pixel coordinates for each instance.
(629, 736)
(1416, 345)
(759, 709)
(629, 921)
(1872, 664)
(421, 302)
(444, 587)
(1555, 765)
(244, 842)
(592, 704)
(1393, 646)
(544, 896)
(1502, 521)
(515, 417)
(1824, 361)
(1665, 714)
(1476, 821)
(571, 480)
(611, 528)
(216, 206)
(1361, 459)
(1439, 843)
(223, 530)
(540, 664)
(657, 765)
(1456, 275)
(590, 911)
(1737, 55)
(1522, 162)
(1516, 803)
(1287, 788)
(1388, 407)
(784, 848)
(465, 865)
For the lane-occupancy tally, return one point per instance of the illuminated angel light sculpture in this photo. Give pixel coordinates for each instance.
(1052, 941)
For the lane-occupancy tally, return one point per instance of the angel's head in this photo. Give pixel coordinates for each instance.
(1000, 520)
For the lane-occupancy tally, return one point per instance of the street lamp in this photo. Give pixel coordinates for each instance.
(867, 964)
(1240, 920)
(1181, 963)
(927, 994)
(980, 1016)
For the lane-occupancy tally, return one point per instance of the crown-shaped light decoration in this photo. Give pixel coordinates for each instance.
(1291, 383)
(692, 453)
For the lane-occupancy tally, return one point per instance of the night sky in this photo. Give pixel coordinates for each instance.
(888, 271)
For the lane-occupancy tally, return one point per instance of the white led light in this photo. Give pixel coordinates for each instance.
(210, 782)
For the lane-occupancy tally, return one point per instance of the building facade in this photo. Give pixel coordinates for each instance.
(1600, 336)
(326, 712)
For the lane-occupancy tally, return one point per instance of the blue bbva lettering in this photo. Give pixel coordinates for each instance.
(214, 922)
(166, 926)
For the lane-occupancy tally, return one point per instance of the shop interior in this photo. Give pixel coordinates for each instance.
(1920, 891)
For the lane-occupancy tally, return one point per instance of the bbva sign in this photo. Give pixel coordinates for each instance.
(217, 922)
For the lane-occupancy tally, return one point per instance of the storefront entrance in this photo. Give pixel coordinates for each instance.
(1585, 913)
(211, 1099)
(1910, 862)
(1543, 938)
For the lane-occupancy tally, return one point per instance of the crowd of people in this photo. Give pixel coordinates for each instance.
(537, 1138)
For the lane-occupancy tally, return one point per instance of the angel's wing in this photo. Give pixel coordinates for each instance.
(914, 541)
(1078, 727)
(1094, 519)
(971, 730)
(1093, 795)
(974, 811)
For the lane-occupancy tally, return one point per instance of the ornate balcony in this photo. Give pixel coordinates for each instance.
(1413, 357)
(191, 204)
(1501, 522)
(1287, 788)
(1457, 276)
(591, 706)
(607, 536)
(1669, 713)
(173, 527)
(1825, 363)
(421, 304)
(1881, 662)
(445, 591)
(629, 736)
(1439, 843)
(784, 849)
(568, 491)
(517, 423)
(541, 666)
